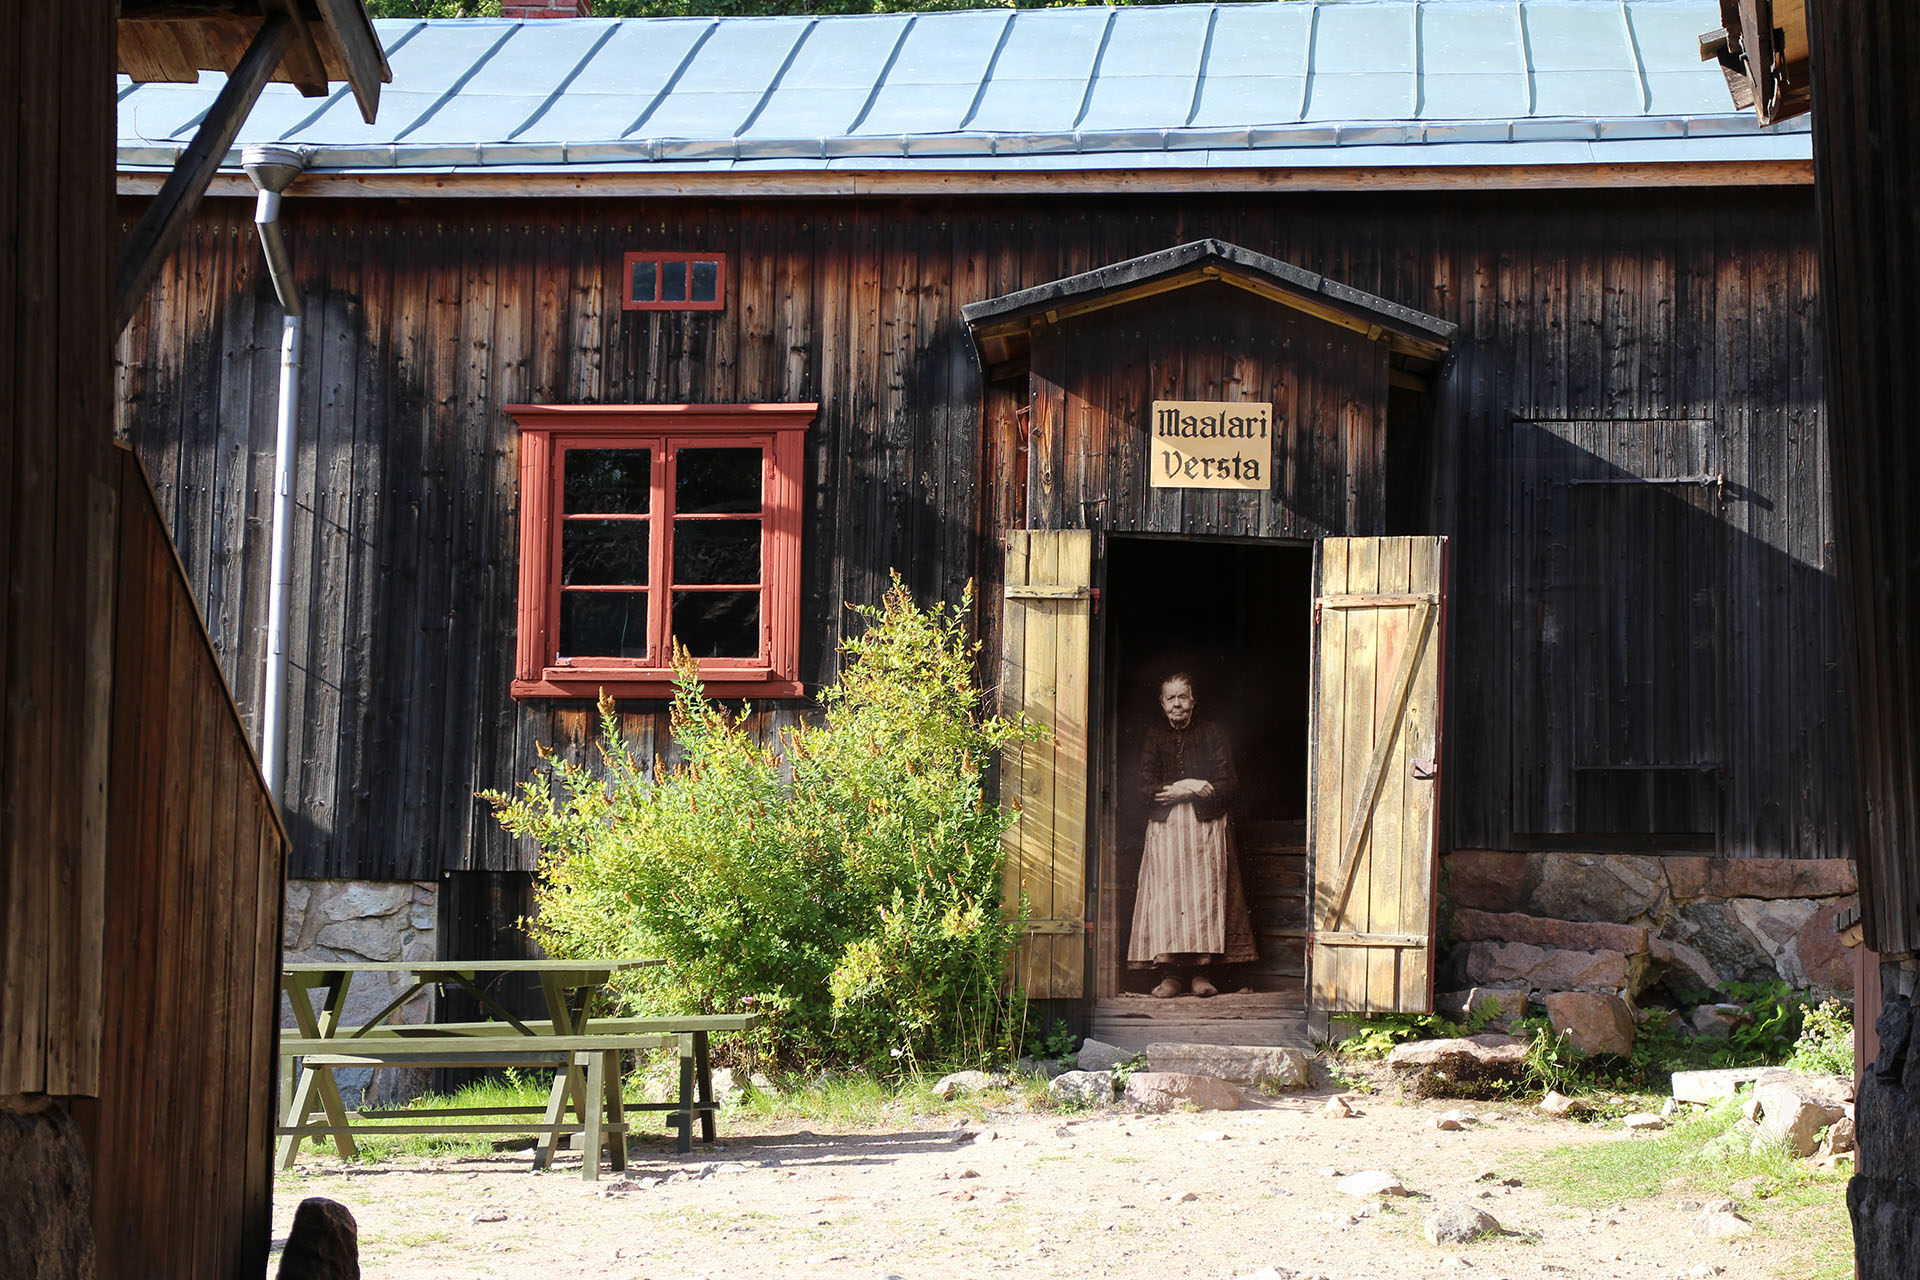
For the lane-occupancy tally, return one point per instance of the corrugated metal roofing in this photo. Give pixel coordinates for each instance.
(1378, 83)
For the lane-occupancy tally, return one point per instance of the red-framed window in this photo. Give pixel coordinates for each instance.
(643, 525)
(673, 282)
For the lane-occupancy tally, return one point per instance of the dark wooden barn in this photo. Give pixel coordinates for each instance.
(1535, 566)
(142, 863)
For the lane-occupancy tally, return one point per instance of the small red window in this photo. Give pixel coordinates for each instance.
(646, 525)
(674, 282)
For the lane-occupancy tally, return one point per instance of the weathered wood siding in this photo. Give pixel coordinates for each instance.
(426, 317)
(56, 537)
(196, 861)
(1095, 378)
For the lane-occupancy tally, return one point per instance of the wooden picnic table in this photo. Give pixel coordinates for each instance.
(583, 1049)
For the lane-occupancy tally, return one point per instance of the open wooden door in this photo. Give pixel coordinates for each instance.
(1375, 772)
(1048, 654)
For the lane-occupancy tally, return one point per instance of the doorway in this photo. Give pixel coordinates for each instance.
(1236, 618)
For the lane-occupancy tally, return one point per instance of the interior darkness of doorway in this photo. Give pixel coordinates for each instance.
(1237, 617)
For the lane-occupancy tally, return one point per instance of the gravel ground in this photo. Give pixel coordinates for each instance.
(1217, 1195)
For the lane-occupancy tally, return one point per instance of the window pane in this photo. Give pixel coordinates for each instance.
(708, 481)
(716, 551)
(718, 624)
(603, 553)
(609, 481)
(603, 624)
(645, 281)
(703, 284)
(673, 282)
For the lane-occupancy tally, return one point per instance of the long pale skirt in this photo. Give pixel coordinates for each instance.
(1190, 907)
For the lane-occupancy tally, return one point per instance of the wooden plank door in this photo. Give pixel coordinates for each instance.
(1045, 673)
(1375, 762)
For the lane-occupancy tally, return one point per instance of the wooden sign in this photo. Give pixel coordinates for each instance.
(1203, 444)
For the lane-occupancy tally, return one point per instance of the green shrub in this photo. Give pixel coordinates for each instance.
(1376, 1035)
(844, 879)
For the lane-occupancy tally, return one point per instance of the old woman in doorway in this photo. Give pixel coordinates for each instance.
(1190, 911)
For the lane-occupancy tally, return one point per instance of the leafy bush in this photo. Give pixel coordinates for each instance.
(1825, 1045)
(1377, 1035)
(844, 879)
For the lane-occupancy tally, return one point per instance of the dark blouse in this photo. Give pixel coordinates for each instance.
(1198, 751)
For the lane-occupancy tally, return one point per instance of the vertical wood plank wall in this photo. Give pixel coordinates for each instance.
(180, 1133)
(426, 316)
(57, 224)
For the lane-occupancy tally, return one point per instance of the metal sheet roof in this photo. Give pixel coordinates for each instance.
(1379, 83)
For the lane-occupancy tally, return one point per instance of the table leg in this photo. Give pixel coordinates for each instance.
(555, 1113)
(616, 1108)
(703, 1069)
(334, 983)
(564, 1024)
(299, 1107)
(591, 1139)
(684, 1116)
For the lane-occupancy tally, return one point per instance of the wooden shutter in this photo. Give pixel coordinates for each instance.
(1044, 673)
(1375, 761)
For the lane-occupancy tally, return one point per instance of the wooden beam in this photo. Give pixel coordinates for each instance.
(360, 49)
(166, 219)
(500, 183)
(305, 68)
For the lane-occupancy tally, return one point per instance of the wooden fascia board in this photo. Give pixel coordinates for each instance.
(1368, 324)
(561, 182)
(303, 63)
(359, 47)
(663, 417)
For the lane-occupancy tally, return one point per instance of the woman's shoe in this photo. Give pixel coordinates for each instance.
(1203, 988)
(1169, 987)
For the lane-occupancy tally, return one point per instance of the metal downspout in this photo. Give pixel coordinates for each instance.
(271, 169)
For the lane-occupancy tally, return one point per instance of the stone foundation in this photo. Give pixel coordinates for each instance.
(356, 920)
(1627, 922)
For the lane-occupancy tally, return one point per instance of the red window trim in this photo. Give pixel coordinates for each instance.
(546, 431)
(630, 303)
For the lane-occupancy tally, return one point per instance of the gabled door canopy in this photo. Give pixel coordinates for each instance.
(1002, 327)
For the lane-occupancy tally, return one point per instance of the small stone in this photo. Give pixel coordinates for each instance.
(1210, 1135)
(323, 1244)
(1704, 1271)
(985, 1135)
(1717, 1021)
(1642, 1122)
(1370, 1182)
(1459, 1224)
(489, 1215)
(1559, 1104)
(1446, 1124)
(960, 1083)
(1081, 1087)
(1271, 1273)
(1720, 1220)
(1336, 1108)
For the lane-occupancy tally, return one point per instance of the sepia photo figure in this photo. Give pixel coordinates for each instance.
(1190, 911)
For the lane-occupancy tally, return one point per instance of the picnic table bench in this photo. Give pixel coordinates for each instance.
(583, 1052)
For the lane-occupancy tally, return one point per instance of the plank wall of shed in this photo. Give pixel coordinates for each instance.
(426, 317)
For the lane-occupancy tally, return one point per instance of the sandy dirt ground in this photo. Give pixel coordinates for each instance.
(1217, 1195)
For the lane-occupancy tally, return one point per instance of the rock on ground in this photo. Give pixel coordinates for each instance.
(1369, 1183)
(1559, 1104)
(324, 1243)
(959, 1083)
(1594, 1022)
(1794, 1112)
(1709, 1087)
(1459, 1224)
(1721, 1220)
(1287, 1068)
(1098, 1055)
(1154, 1091)
(1092, 1088)
(1642, 1122)
(1338, 1107)
(1442, 1068)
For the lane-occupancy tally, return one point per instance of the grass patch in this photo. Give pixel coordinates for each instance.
(1800, 1211)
